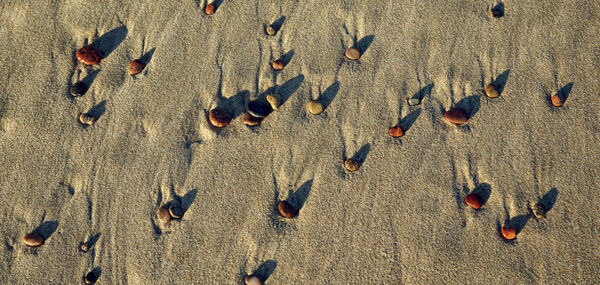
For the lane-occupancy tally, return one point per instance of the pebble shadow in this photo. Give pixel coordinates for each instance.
(285, 91)
(470, 104)
(298, 198)
(287, 57)
(278, 23)
(519, 222)
(93, 239)
(329, 94)
(236, 104)
(147, 56)
(500, 81)
(498, 10)
(484, 191)
(407, 122)
(424, 91)
(47, 229)
(108, 42)
(363, 44)
(549, 199)
(361, 154)
(187, 200)
(98, 110)
(264, 271)
(565, 91)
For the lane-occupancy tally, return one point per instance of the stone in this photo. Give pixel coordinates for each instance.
(79, 88)
(509, 233)
(209, 9)
(491, 91)
(250, 120)
(539, 211)
(496, 12)
(253, 280)
(474, 201)
(33, 239)
(219, 117)
(89, 55)
(413, 101)
(90, 278)
(557, 100)
(258, 109)
(274, 101)
(175, 210)
(163, 214)
(84, 247)
(136, 66)
(278, 64)
(352, 53)
(351, 165)
(270, 30)
(87, 119)
(314, 107)
(456, 116)
(396, 131)
(286, 210)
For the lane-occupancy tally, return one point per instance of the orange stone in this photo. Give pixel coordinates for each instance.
(136, 67)
(89, 55)
(210, 9)
(219, 118)
(396, 131)
(557, 100)
(351, 165)
(33, 239)
(509, 233)
(250, 120)
(456, 116)
(252, 280)
(286, 210)
(474, 201)
(278, 64)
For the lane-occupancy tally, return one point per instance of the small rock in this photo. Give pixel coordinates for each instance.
(314, 107)
(90, 278)
(557, 100)
(351, 165)
(219, 118)
(474, 201)
(508, 232)
(496, 12)
(87, 119)
(84, 247)
(136, 66)
(175, 210)
(33, 239)
(163, 214)
(456, 116)
(250, 120)
(258, 109)
(253, 280)
(89, 55)
(79, 88)
(273, 100)
(286, 210)
(413, 101)
(210, 9)
(352, 53)
(396, 131)
(278, 64)
(270, 30)
(491, 91)
(539, 210)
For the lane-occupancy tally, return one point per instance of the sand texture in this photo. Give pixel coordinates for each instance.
(399, 219)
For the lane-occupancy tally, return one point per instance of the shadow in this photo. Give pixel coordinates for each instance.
(286, 58)
(500, 81)
(92, 276)
(147, 56)
(278, 23)
(484, 191)
(498, 10)
(424, 91)
(549, 199)
(217, 4)
(108, 42)
(470, 105)
(361, 154)
(329, 94)
(235, 105)
(409, 120)
(92, 240)
(47, 229)
(298, 198)
(98, 110)
(89, 78)
(565, 91)
(364, 43)
(284, 91)
(188, 199)
(518, 222)
(265, 270)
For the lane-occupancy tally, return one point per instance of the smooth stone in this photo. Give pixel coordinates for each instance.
(539, 210)
(136, 66)
(78, 89)
(33, 239)
(219, 117)
(456, 116)
(250, 120)
(175, 210)
(474, 201)
(258, 109)
(84, 247)
(413, 101)
(557, 100)
(352, 53)
(163, 214)
(491, 91)
(89, 55)
(351, 165)
(90, 278)
(253, 280)
(508, 232)
(86, 119)
(314, 107)
(396, 131)
(278, 64)
(270, 30)
(286, 210)
(273, 100)
(210, 9)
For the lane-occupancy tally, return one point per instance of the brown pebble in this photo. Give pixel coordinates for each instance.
(557, 100)
(474, 201)
(219, 117)
(163, 214)
(175, 210)
(396, 131)
(253, 280)
(90, 278)
(286, 210)
(86, 119)
(539, 210)
(351, 165)
(89, 55)
(278, 64)
(314, 107)
(273, 100)
(456, 116)
(491, 91)
(33, 239)
(250, 120)
(508, 232)
(210, 9)
(136, 67)
(84, 247)
(352, 53)
(270, 30)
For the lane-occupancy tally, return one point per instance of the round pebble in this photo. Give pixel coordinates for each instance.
(491, 91)
(175, 210)
(539, 211)
(84, 247)
(86, 119)
(273, 100)
(250, 120)
(508, 232)
(286, 210)
(474, 201)
(314, 107)
(396, 131)
(352, 53)
(557, 100)
(253, 280)
(258, 109)
(33, 239)
(219, 118)
(136, 66)
(90, 278)
(210, 9)
(496, 13)
(351, 165)
(278, 64)
(163, 214)
(413, 101)
(89, 55)
(78, 89)
(456, 116)
(270, 30)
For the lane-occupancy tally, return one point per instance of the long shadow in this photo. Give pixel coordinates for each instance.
(93, 240)
(549, 199)
(407, 122)
(90, 77)
(188, 199)
(519, 222)
(287, 57)
(147, 56)
(217, 4)
(108, 42)
(236, 104)
(565, 91)
(500, 81)
(424, 91)
(98, 110)
(285, 91)
(278, 23)
(470, 104)
(264, 271)
(329, 94)
(361, 155)
(298, 198)
(484, 191)
(363, 44)
(47, 229)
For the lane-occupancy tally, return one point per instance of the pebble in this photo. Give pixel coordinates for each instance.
(539, 211)
(90, 278)
(258, 109)
(84, 247)
(270, 30)
(496, 12)
(89, 55)
(136, 66)
(456, 116)
(78, 89)
(253, 280)
(396, 131)
(250, 120)
(210, 9)
(286, 210)
(352, 53)
(278, 64)
(474, 201)
(33, 239)
(175, 210)
(86, 119)
(557, 100)
(163, 214)
(491, 91)
(219, 118)
(508, 232)
(351, 165)
(413, 101)
(314, 107)
(273, 100)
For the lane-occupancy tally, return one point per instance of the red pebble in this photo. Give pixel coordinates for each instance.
(396, 131)
(509, 233)
(136, 67)
(474, 201)
(210, 9)
(89, 55)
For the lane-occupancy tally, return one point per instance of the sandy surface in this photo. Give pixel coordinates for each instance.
(399, 219)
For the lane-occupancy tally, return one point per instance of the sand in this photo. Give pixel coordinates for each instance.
(399, 219)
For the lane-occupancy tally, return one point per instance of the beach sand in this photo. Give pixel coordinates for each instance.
(399, 219)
